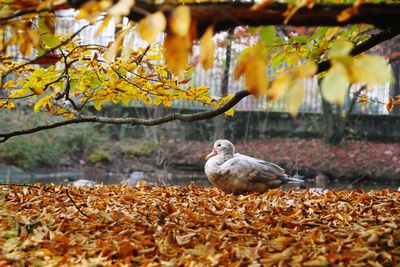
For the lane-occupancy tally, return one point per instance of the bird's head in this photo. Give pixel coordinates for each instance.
(221, 146)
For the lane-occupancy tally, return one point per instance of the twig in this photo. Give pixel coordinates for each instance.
(76, 206)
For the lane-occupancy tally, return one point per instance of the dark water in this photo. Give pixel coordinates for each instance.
(176, 177)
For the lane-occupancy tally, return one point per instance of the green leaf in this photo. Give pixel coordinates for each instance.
(300, 39)
(294, 96)
(335, 84)
(268, 34)
(50, 40)
(371, 69)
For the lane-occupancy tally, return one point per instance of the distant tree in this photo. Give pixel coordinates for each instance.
(55, 73)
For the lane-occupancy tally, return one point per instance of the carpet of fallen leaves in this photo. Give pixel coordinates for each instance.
(193, 226)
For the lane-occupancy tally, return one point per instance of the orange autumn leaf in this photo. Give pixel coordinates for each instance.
(363, 99)
(127, 249)
(390, 104)
(177, 52)
(346, 14)
(207, 48)
(180, 20)
(151, 26)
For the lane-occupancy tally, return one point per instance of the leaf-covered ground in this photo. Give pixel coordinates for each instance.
(192, 226)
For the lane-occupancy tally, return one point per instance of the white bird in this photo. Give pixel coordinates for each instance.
(237, 173)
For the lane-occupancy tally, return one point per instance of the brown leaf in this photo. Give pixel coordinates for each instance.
(50, 58)
(127, 249)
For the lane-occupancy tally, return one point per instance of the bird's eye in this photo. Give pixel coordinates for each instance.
(219, 145)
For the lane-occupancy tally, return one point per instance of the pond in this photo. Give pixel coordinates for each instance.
(178, 177)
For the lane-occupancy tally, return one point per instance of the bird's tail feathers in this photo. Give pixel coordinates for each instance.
(296, 179)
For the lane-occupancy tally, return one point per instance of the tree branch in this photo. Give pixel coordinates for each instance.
(225, 15)
(133, 120)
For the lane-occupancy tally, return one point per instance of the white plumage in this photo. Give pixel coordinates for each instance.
(237, 173)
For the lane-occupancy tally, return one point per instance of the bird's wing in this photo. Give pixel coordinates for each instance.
(253, 169)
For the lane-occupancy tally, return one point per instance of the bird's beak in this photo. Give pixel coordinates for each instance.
(212, 154)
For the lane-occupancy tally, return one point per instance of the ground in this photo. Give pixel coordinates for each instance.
(191, 226)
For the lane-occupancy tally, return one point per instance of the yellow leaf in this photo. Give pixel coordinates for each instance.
(97, 105)
(335, 84)
(121, 8)
(292, 59)
(256, 77)
(371, 69)
(112, 51)
(239, 69)
(306, 70)
(207, 48)
(230, 112)
(42, 102)
(177, 52)
(331, 32)
(126, 50)
(279, 86)
(179, 22)
(146, 99)
(151, 26)
(37, 89)
(103, 25)
(294, 97)
(340, 48)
